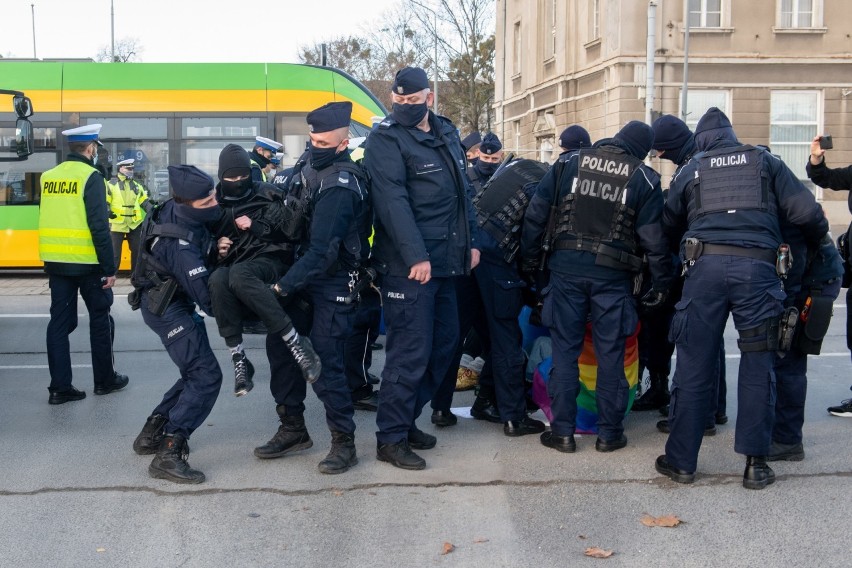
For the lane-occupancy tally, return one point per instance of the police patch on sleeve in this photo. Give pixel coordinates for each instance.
(197, 271)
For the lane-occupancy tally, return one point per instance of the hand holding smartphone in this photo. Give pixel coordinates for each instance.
(825, 142)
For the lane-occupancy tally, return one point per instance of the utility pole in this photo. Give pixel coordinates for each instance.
(32, 8)
(112, 29)
(649, 60)
(435, 90)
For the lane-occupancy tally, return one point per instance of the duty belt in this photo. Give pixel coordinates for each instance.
(620, 258)
(767, 255)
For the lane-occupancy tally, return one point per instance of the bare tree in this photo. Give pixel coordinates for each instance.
(463, 30)
(126, 49)
(351, 54)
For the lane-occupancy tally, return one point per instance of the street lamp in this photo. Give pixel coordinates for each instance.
(32, 7)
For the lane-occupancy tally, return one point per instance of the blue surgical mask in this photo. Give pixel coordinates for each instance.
(409, 115)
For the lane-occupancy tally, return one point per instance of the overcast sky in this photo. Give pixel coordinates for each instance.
(184, 30)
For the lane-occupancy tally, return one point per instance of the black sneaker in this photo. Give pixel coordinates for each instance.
(119, 382)
(844, 409)
(400, 455)
(602, 445)
(61, 397)
(523, 427)
(786, 452)
(673, 473)
(369, 403)
(420, 440)
(484, 409)
(305, 356)
(243, 373)
(565, 444)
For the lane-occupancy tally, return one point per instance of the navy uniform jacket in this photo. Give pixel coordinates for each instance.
(644, 196)
(794, 204)
(831, 178)
(335, 210)
(186, 261)
(421, 197)
(97, 217)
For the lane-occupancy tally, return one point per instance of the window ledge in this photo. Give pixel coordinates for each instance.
(516, 76)
(594, 43)
(799, 30)
(549, 60)
(707, 30)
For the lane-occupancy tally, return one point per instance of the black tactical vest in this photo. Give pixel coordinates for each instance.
(727, 180)
(595, 209)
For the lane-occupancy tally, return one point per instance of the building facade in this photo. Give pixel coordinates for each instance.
(780, 69)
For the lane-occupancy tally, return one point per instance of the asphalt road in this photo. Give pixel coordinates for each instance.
(73, 493)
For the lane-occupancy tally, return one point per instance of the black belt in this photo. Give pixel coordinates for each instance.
(619, 256)
(766, 255)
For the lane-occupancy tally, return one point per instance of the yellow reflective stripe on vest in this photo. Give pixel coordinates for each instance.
(64, 234)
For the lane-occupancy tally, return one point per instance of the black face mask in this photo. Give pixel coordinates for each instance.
(236, 190)
(485, 169)
(322, 157)
(409, 115)
(205, 216)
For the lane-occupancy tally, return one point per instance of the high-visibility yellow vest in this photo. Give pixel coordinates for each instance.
(258, 166)
(125, 198)
(63, 229)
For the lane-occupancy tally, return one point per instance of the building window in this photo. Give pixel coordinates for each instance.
(794, 122)
(545, 150)
(516, 135)
(699, 100)
(549, 29)
(799, 13)
(516, 42)
(705, 13)
(595, 24)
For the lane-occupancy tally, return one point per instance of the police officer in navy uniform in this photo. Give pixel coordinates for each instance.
(728, 203)
(75, 246)
(262, 156)
(425, 236)
(331, 191)
(488, 159)
(608, 214)
(182, 254)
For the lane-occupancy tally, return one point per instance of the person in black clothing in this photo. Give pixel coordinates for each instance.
(837, 179)
(330, 192)
(255, 249)
(179, 254)
(75, 245)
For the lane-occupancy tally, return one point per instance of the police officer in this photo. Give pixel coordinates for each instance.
(837, 179)
(261, 156)
(255, 232)
(608, 206)
(176, 256)
(128, 205)
(728, 202)
(673, 141)
(74, 244)
(331, 191)
(812, 284)
(470, 145)
(425, 236)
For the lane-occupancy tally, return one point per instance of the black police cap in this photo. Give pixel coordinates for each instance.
(410, 80)
(330, 116)
(189, 183)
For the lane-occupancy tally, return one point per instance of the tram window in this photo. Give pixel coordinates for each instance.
(136, 128)
(150, 158)
(204, 154)
(19, 181)
(220, 127)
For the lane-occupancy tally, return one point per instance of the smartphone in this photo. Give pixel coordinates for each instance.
(825, 142)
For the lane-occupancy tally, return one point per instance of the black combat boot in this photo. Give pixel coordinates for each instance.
(399, 455)
(484, 409)
(757, 474)
(342, 454)
(657, 395)
(292, 436)
(243, 373)
(148, 440)
(304, 354)
(170, 462)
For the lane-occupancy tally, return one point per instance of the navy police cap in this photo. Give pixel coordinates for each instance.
(189, 183)
(471, 140)
(490, 144)
(330, 116)
(410, 80)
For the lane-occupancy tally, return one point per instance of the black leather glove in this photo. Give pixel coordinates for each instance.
(654, 299)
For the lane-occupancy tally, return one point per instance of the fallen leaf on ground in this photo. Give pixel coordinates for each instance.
(448, 547)
(479, 540)
(100, 550)
(664, 521)
(596, 552)
(338, 493)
